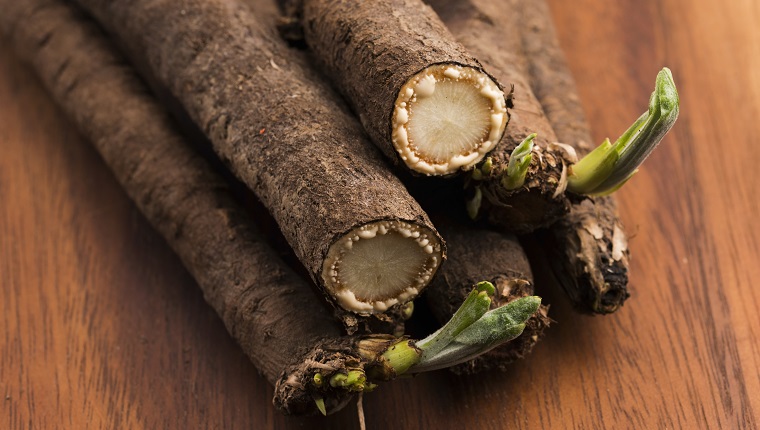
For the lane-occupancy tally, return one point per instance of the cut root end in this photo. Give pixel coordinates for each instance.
(447, 118)
(381, 264)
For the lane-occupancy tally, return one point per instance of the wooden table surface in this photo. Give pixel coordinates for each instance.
(101, 327)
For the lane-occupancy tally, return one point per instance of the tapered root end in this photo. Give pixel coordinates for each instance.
(380, 264)
(447, 118)
(590, 257)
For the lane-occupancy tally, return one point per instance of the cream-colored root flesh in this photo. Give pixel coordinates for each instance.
(446, 118)
(379, 265)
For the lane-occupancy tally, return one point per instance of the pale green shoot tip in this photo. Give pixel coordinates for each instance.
(473, 205)
(318, 379)
(353, 380)
(605, 170)
(485, 286)
(321, 405)
(519, 161)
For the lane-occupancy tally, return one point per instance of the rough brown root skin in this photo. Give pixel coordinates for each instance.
(538, 203)
(391, 321)
(591, 256)
(476, 255)
(240, 275)
(550, 78)
(295, 391)
(278, 127)
(541, 200)
(310, 378)
(376, 51)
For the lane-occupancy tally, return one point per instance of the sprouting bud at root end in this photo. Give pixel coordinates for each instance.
(447, 118)
(519, 161)
(605, 170)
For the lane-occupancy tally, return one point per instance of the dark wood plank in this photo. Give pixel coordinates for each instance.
(101, 327)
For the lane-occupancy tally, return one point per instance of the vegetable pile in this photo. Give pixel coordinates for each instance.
(398, 145)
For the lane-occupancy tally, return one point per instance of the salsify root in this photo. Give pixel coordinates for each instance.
(521, 185)
(588, 248)
(267, 308)
(182, 198)
(282, 131)
(423, 100)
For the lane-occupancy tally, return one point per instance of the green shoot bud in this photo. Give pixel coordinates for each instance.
(338, 380)
(475, 305)
(407, 310)
(353, 380)
(476, 174)
(473, 205)
(318, 379)
(369, 386)
(492, 329)
(519, 161)
(479, 173)
(487, 166)
(606, 169)
(321, 405)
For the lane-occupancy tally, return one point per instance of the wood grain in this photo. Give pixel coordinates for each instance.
(101, 327)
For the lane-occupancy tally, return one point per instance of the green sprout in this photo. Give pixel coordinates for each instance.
(353, 380)
(471, 331)
(407, 310)
(489, 331)
(487, 166)
(474, 307)
(473, 205)
(480, 172)
(318, 379)
(605, 169)
(519, 161)
(320, 401)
